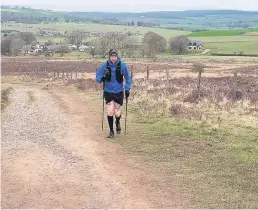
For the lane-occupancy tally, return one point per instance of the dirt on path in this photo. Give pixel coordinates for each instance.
(53, 156)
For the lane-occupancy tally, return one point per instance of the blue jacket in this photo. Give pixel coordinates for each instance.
(113, 86)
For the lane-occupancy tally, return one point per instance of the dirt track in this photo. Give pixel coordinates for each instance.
(53, 156)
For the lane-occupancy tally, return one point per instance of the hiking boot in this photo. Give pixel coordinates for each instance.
(111, 134)
(118, 128)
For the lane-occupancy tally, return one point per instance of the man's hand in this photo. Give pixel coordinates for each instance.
(107, 76)
(127, 93)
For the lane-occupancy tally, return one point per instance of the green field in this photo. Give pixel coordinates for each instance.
(43, 39)
(221, 33)
(230, 44)
(231, 47)
(62, 27)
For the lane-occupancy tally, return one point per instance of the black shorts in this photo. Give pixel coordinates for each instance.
(116, 97)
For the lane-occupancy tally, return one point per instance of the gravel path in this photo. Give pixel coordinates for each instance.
(53, 157)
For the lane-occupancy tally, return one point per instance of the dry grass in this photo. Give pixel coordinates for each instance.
(215, 166)
(5, 97)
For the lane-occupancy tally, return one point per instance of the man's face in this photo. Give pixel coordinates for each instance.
(113, 58)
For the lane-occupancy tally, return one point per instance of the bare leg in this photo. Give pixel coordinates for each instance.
(110, 117)
(117, 109)
(118, 117)
(111, 108)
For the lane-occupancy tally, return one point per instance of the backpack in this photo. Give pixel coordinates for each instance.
(119, 74)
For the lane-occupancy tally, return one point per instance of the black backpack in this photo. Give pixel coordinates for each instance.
(119, 74)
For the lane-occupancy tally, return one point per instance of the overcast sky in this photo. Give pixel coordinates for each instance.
(136, 5)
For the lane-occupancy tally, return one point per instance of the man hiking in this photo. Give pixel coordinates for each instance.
(112, 74)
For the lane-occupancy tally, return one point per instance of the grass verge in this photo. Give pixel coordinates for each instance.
(216, 168)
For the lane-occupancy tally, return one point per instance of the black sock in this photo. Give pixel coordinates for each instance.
(118, 120)
(110, 122)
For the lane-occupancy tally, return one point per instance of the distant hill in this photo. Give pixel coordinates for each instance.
(167, 14)
(184, 20)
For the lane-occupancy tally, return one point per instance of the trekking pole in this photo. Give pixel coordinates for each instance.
(103, 106)
(126, 112)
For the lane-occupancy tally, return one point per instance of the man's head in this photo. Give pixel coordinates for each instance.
(113, 55)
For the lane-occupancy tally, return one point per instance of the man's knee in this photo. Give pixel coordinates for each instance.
(117, 110)
(111, 108)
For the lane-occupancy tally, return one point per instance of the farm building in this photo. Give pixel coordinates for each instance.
(195, 45)
(82, 48)
(73, 47)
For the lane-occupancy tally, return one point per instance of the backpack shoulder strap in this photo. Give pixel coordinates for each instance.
(119, 67)
(108, 64)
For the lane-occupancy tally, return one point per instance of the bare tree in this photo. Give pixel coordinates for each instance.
(93, 47)
(16, 46)
(104, 46)
(116, 39)
(49, 42)
(62, 49)
(76, 38)
(144, 49)
(14, 43)
(156, 43)
(27, 37)
(179, 44)
(5, 45)
(129, 45)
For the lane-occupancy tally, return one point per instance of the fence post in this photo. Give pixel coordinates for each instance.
(148, 73)
(235, 84)
(167, 73)
(132, 72)
(199, 80)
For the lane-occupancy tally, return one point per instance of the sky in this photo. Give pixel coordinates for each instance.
(136, 5)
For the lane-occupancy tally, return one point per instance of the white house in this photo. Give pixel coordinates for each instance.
(82, 48)
(195, 45)
(73, 47)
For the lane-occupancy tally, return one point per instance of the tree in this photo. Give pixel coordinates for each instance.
(62, 49)
(5, 45)
(144, 49)
(14, 43)
(104, 46)
(76, 38)
(27, 37)
(16, 46)
(156, 43)
(49, 42)
(128, 45)
(139, 23)
(116, 39)
(93, 46)
(179, 44)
